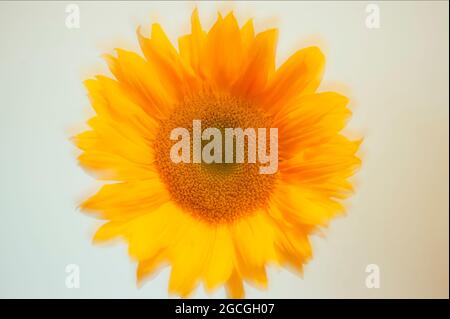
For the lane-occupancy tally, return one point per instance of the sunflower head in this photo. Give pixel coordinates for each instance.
(222, 222)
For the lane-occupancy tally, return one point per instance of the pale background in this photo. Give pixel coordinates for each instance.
(397, 77)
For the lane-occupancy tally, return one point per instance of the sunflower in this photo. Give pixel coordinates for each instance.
(215, 224)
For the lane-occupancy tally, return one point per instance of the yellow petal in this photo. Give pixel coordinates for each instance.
(121, 200)
(299, 75)
(108, 231)
(119, 140)
(221, 258)
(254, 245)
(247, 34)
(149, 266)
(113, 103)
(223, 51)
(235, 287)
(192, 46)
(119, 146)
(324, 167)
(160, 53)
(151, 232)
(108, 166)
(293, 248)
(259, 65)
(189, 255)
(304, 207)
(144, 82)
(310, 121)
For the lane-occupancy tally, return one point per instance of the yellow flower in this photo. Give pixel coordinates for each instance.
(216, 224)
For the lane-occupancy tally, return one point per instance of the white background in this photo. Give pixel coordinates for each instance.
(397, 77)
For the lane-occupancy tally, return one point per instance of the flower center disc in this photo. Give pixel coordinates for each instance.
(216, 192)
